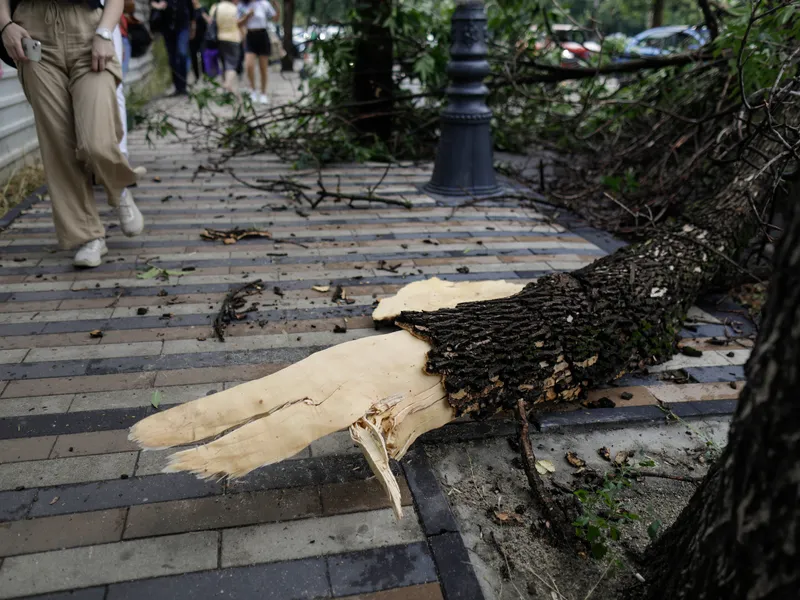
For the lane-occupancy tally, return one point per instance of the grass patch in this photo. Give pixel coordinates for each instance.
(23, 181)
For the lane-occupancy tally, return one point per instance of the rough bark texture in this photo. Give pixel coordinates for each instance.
(570, 332)
(372, 71)
(657, 13)
(738, 536)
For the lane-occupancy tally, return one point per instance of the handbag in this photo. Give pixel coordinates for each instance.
(3, 54)
(211, 62)
(210, 38)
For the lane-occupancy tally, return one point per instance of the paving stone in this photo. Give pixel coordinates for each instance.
(15, 505)
(381, 569)
(214, 374)
(35, 448)
(715, 374)
(335, 443)
(93, 352)
(65, 531)
(431, 503)
(230, 510)
(141, 397)
(73, 385)
(117, 493)
(313, 537)
(69, 423)
(98, 442)
(61, 471)
(10, 357)
(108, 563)
(95, 593)
(426, 591)
(457, 577)
(357, 496)
(292, 580)
(695, 391)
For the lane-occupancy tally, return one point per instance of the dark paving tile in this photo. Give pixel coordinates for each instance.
(116, 493)
(304, 472)
(431, 504)
(65, 423)
(716, 374)
(692, 330)
(22, 328)
(292, 580)
(602, 416)
(41, 370)
(380, 569)
(456, 574)
(14, 505)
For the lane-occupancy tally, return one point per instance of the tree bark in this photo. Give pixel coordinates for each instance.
(657, 13)
(372, 69)
(738, 536)
(570, 332)
(287, 62)
(710, 19)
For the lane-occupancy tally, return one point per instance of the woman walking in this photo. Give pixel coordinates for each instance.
(256, 15)
(229, 40)
(72, 90)
(196, 38)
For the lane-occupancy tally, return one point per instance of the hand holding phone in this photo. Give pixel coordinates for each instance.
(32, 49)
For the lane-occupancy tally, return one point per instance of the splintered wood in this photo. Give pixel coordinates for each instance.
(389, 401)
(434, 294)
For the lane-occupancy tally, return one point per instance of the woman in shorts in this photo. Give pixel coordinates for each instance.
(256, 15)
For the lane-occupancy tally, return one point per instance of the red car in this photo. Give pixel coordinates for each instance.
(576, 44)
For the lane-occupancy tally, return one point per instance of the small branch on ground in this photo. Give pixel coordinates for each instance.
(234, 301)
(555, 521)
(661, 475)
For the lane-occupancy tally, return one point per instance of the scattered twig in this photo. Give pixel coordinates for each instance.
(233, 301)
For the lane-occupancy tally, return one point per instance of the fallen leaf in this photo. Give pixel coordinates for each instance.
(464, 270)
(149, 274)
(603, 402)
(545, 466)
(508, 518)
(157, 179)
(96, 334)
(626, 395)
(689, 351)
(54, 500)
(339, 329)
(604, 453)
(621, 458)
(229, 241)
(575, 460)
(156, 399)
(321, 288)
(141, 311)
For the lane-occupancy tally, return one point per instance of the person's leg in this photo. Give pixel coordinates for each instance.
(171, 44)
(46, 86)
(182, 59)
(250, 68)
(123, 113)
(229, 80)
(194, 55)
(263, 65)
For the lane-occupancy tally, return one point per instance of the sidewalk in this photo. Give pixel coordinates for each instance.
(82, 509)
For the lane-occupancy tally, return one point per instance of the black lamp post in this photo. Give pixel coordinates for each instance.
(464, 158)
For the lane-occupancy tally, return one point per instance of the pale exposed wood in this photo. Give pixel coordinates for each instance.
(433, 294)
(371, 441)
(273, 418)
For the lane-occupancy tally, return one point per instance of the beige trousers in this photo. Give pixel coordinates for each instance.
(77, 117)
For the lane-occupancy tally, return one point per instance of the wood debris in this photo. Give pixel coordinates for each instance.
(232, 236)
(232, 305)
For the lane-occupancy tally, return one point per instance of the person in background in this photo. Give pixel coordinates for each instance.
(196, 37)
(72, 91)
(256, 15)
(229, 40)
(127, 17)
(176, 20)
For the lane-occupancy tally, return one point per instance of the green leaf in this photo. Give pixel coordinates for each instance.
(150, 273)
(156, 399)
(592, 533)
(599, 550)
(652, 529)
(647, 463)
(613, 533)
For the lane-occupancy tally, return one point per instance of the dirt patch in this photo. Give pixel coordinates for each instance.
(489, 494)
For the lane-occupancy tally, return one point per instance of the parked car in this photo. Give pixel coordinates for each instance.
(663, 41)
(577, 45)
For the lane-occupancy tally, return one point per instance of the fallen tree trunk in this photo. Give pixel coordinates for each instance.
(738, 536)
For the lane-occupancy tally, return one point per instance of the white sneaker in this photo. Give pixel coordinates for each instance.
(263, 99)
(130, 217)
(90, 254)
(253, 96)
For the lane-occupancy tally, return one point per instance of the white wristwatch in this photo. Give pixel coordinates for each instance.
(104, 33)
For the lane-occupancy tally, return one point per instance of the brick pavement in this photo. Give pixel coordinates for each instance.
(83, 510)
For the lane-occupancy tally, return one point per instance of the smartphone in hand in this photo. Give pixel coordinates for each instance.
(32, 49)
